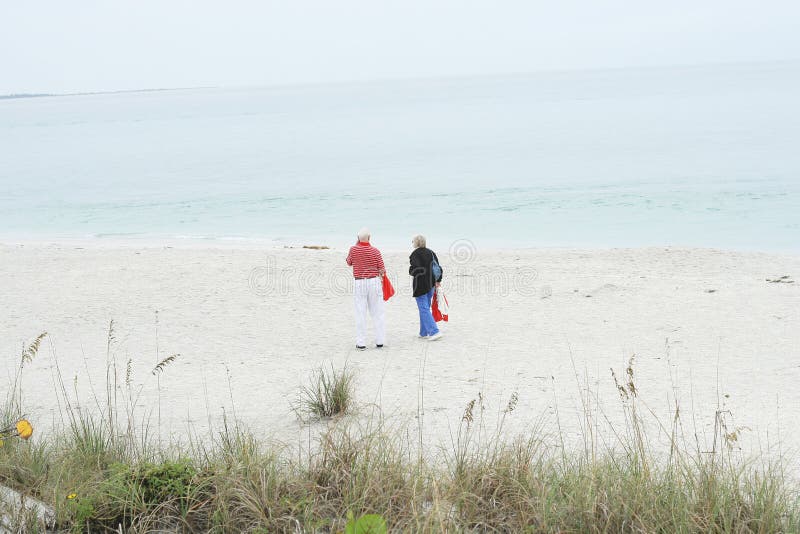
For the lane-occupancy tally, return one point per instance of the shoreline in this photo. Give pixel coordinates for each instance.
(254, 244)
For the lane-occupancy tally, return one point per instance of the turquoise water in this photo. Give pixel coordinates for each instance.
(700, 156)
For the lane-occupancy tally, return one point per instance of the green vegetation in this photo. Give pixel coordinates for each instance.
(366, 477)
(329, 393)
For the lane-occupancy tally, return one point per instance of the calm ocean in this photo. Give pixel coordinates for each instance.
(691, 156)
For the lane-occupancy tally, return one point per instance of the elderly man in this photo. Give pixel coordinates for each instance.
(368, 269)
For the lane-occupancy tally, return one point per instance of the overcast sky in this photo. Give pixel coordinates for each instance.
(95, 45)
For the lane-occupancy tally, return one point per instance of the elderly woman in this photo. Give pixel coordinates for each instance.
(427, 274)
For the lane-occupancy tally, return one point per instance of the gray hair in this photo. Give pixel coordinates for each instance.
(363, 234)
(418, 241)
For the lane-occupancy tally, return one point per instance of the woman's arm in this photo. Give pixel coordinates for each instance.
(416, 264)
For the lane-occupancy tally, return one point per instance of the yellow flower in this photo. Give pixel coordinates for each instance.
(72, 496)
(24, 428)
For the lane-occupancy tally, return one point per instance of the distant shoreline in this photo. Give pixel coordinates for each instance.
(387, 244)
(416, 79)
(90, 93)
(391, 246)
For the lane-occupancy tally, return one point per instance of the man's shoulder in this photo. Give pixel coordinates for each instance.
(366, 249)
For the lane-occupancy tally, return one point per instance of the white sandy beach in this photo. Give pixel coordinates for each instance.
(250, 323)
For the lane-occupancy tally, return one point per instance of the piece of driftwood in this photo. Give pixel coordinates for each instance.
(786, 279)
(14, 506)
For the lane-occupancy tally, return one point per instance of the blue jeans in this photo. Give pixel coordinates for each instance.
(427, 326)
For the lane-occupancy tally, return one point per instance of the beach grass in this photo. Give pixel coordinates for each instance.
(330, 392)
(100, 475)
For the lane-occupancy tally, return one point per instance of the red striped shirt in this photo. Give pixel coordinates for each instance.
(365, 259)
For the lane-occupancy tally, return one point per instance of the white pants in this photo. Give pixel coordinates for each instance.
(369, 295)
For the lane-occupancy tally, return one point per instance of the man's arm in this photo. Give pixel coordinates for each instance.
(381, 267)
(349, 259)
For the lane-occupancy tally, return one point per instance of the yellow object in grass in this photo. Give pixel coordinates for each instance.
(72, 496)
(24, 429)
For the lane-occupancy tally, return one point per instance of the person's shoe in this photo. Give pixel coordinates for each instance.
(435, 337)
(361, 347)
(380, 346)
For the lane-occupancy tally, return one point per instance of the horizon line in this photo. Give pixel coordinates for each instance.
(278, 85)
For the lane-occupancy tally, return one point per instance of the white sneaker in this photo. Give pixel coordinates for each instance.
(435, 337)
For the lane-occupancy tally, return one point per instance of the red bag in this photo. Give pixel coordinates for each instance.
(436, 310)
(388, 290)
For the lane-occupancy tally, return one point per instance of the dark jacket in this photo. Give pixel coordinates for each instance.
(421, 261)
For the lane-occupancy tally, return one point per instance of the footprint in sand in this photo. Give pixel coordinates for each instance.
(605, 288)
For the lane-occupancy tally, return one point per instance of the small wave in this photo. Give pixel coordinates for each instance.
(117, 234)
